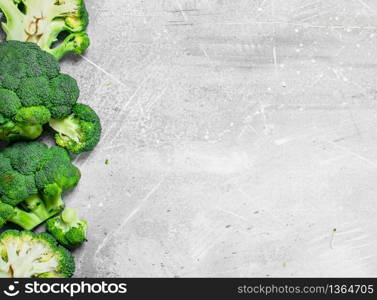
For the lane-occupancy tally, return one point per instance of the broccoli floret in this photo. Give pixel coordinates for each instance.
(6, 213)
(32, 180)
(24, 254)
(43, 21)
(79, 132)
(16, 187)
(75, 42)
(9, 104)
(68, 229)
(33, 93)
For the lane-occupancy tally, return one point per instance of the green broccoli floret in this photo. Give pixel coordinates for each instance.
(68, 229)
(24, 254)
(44, 21)
(79, 132)
(75, 42)
(32, 180)
(32, 91)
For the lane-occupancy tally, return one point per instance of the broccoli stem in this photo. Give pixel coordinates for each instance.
(54, 205)
(51, 34)
(35, 205)
(26, 220)
(29, 131)
(69, 127)
(13, 27)
(34, 214)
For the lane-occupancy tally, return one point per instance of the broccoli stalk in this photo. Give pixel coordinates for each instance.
(29, 214)
(11, 131)
(68, 128)
(26, 220)
(68, 229)
(42, 21)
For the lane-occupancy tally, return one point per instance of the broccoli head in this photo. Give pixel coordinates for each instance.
(32, 180)
(68, 229)
(79, 132)
(57, 26)
(24, 254)
(32, 91)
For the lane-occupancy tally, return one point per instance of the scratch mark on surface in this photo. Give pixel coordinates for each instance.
(333, 159)
(204, 250)
(204, 51)
(129, 217)
(124, 107)
(332, 238)
(357, 155)
(182, 11)
(231, 213)
(105, 72)
(367, 6)
(305, 25)
(150, 106)
(274, 54)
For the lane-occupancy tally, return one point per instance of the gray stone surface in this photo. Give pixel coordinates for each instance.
(241, 138)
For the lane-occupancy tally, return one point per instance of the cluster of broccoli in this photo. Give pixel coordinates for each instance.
(32, 180)
(35, 95)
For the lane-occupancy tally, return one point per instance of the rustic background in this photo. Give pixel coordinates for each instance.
(240, 136)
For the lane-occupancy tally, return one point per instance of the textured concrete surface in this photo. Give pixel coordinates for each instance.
(241, 138)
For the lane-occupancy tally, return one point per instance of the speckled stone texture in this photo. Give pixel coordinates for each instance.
(241, 138)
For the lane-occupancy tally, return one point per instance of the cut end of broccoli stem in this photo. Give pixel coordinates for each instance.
(40, 14)
(68, 128)
(70, 216)
(54, 205)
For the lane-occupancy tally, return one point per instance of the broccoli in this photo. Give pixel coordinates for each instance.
(24, 254)
(68, 229)
(79, 132)
(57, 26)
(32, 180)
(33, 92)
